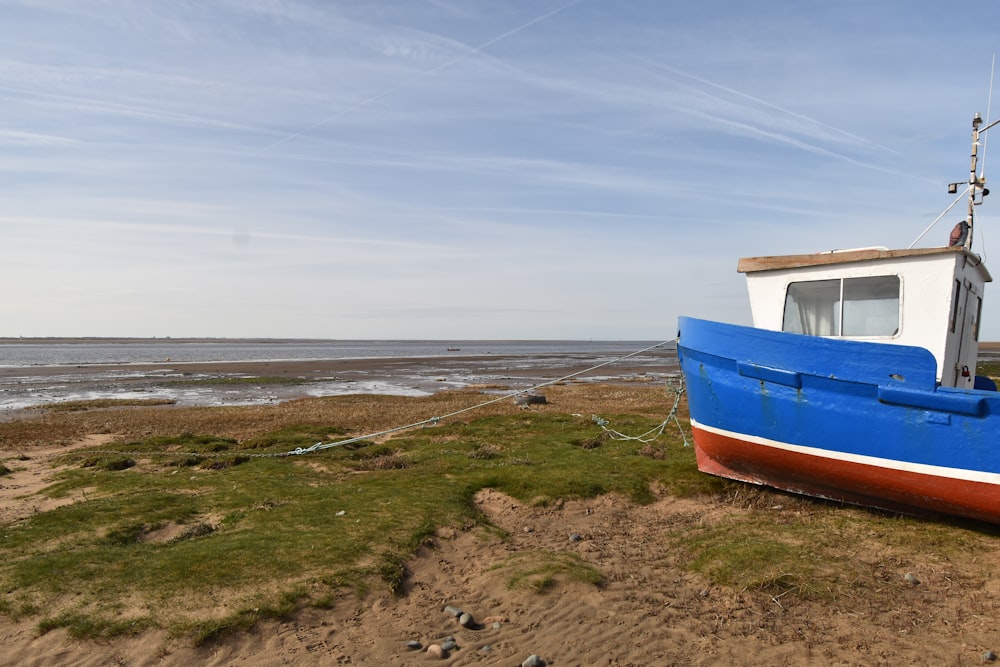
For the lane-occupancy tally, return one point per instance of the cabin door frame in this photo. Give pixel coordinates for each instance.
(970, 303)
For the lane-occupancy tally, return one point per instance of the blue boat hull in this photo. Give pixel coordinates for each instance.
(853, 421)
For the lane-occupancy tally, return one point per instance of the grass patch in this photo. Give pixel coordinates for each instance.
(348, 516)
(296, 530)
(296, 435)
(94, 626)
(207, 630)
(742, 555)
(542, 570)
(107, 462)
(796, 548)
(189, 442)
(104, 403)
(990, 369)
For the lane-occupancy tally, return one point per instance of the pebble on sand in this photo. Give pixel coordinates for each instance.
(466, 620)
(435, 651)
(911, 579)
(533, 661)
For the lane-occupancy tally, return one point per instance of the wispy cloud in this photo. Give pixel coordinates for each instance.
(13, 137)
(506, 169)
(409, 51)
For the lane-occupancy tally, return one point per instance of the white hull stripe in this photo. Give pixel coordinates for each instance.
(860, 459)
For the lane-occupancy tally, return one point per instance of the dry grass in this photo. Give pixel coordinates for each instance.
(359, 414)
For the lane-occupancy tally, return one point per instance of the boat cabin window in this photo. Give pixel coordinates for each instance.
(955, 294)
(979, 313)
(843, 307)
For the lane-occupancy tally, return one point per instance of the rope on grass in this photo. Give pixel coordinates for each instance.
(655, 432)
(432, 421)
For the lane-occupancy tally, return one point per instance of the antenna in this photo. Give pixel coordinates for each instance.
(961, 235)
(963, 232)
(989, 104)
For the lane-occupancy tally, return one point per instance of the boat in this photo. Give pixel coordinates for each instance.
(857, 381)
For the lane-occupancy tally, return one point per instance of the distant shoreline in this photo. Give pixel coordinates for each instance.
(992, 346)
(127, 340)
(263, 340)
(381, 367)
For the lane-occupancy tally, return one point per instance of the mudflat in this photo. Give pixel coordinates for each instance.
(247, 382)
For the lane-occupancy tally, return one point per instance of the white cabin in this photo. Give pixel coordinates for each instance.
(929, 297)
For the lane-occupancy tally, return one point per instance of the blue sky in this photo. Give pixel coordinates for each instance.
(464, 169)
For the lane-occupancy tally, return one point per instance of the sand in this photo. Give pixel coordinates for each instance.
(650, 610)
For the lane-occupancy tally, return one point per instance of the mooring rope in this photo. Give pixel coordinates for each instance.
(319, 446)
(431, 421)
(656, 431)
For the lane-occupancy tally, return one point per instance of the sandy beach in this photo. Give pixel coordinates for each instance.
(650, 608)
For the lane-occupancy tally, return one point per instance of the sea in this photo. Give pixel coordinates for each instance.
(128, 351)
(41, 371)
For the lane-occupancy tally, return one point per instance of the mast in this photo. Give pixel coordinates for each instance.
(974, 181)
(977, 184)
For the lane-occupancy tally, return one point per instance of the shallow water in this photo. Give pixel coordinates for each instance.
(128, 351)
(38, 373)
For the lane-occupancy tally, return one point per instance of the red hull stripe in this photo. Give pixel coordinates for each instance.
(852, 478)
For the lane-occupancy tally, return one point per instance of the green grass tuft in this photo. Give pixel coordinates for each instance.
(541, 570)
(108, 462)
(82, 625)
(103, 403)
(298, 435)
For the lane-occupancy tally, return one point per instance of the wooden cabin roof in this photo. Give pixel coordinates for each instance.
(756, 264)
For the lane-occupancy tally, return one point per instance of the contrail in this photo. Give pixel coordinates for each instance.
(422, 75)
(765, 103)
